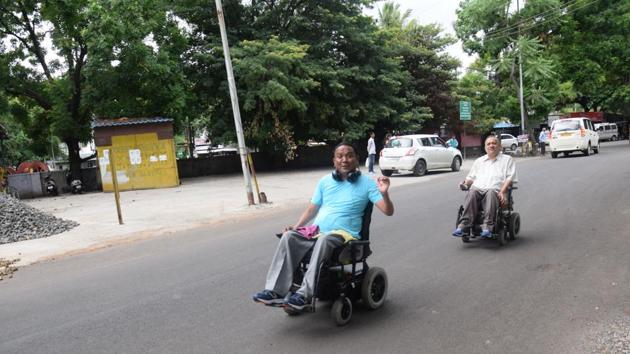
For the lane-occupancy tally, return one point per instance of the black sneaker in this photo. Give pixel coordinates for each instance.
(269, 298)
(296, 302)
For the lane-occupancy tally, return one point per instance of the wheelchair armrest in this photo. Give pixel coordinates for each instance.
(355, 245)
(359, 242)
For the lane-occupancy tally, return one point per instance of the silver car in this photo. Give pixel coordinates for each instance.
(418, 153)
(509, 142)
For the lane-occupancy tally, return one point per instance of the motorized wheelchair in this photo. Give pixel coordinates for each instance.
(507, 223)
(345, 277)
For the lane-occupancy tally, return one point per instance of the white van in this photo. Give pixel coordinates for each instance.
(607, 131)
(573, 134)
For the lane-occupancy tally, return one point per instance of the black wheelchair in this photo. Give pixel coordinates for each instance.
(507, 223)
(346, 278)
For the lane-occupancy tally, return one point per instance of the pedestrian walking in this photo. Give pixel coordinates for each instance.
(542, 140)
(371, 149)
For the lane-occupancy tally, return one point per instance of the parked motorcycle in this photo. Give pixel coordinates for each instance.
(51, 186)
(76, 187)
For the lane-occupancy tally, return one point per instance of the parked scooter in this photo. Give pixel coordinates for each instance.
(51, 186)
(76, 187)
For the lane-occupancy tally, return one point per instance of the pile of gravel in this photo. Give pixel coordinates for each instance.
(7, 269)
(615, 338)
(19, 221)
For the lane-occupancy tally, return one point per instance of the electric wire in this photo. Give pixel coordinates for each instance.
(514, 28)
(524, 20)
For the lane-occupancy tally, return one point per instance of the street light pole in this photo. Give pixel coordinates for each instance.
(520, 75)
(235, 108)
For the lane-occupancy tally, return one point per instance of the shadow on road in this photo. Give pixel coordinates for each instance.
(519, 242)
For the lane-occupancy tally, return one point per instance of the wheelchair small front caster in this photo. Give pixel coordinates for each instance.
(502, 237)
(341, 311)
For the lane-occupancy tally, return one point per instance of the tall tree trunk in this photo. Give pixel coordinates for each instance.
(583, 101)
(74, 158)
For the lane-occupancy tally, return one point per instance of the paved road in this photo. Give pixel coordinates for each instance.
(550, 291)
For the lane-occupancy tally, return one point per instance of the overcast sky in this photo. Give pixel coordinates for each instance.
(441, 12)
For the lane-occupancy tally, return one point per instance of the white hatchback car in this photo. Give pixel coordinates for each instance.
(418, 154)
(573, 134)
(508, 141)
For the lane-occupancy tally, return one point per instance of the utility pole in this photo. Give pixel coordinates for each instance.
(52, 146)
(520, 74)
(242, 150)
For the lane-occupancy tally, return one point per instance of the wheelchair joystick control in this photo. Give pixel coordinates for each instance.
(464, 186)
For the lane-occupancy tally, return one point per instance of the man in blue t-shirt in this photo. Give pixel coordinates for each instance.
(337, 207)
(452, 142)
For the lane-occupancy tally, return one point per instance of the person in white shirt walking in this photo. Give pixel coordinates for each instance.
(490, 176)
(371, 148)
(542, 140)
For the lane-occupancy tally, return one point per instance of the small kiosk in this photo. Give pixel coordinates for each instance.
(143, 152)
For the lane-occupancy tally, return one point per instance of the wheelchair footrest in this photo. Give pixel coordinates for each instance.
(291, 311)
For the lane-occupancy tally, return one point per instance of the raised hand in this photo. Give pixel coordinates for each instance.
(383, 184)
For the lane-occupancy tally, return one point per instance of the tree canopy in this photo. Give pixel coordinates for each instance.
(572, 51)
(304, 69)
(69, 60)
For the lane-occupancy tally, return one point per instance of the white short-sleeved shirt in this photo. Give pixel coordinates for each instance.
(491, 174)
(371, 146)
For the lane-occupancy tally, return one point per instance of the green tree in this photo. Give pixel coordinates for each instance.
(63, 89)
(432, 72)
(390, 16)
(490, 103)
(134, 69)
(275, 79)
(20, 124)
(346, 81)
(55, 85)
(593, 53)
(505, 39)
(572, 50)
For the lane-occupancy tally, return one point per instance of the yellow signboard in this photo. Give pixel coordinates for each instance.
(142, 162)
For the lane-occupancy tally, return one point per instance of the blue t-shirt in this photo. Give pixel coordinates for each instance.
(342, 203)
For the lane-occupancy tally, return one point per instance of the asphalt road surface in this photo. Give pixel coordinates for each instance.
(553, 290)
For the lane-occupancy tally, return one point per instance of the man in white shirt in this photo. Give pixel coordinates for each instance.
(490, 176)
(371, 148)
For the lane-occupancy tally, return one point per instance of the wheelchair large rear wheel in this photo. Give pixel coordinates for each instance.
(374, 288)
(341, 311)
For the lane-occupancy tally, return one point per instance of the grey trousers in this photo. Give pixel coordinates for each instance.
(291, 249)
(489, 200)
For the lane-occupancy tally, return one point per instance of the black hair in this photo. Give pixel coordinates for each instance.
(345, 143)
